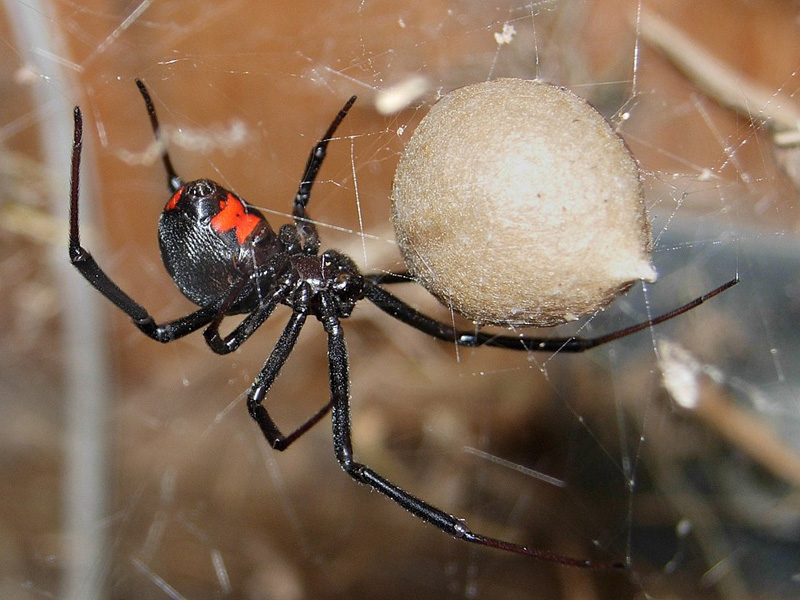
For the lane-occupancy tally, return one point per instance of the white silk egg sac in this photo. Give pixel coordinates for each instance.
(515, 203)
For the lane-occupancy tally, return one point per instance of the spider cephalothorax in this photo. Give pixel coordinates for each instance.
(211, 239)
(226, 258)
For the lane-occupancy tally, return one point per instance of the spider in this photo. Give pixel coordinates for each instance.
(225, 257)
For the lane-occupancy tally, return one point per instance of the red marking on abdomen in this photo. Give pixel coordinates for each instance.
(173, 202)
(234, 216)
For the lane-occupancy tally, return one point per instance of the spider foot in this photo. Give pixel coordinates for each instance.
(462, 532)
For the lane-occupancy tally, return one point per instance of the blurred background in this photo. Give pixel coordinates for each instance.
(131, 469)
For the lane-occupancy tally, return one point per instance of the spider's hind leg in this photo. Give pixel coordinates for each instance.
(174, 181)
(86, 265)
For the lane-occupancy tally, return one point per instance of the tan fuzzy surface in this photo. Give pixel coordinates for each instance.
(515, 203)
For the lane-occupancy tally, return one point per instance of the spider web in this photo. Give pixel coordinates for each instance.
(675, 449)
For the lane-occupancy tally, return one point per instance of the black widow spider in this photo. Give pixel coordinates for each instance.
(226, 258)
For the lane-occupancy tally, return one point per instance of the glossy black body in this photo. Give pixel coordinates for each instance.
(226, 258)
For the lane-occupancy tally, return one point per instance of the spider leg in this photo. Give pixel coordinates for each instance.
(305, 228)
(395, 307)
(343, 448)
(88, 267)
(260, 388)
(174, 182)
(390, 277)
(248, 326)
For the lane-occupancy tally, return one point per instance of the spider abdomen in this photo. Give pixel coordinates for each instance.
(210, 239)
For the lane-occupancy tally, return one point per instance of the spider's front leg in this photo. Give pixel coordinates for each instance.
(343, 447)
(305, 228)
(392, 305)
(270, 371)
